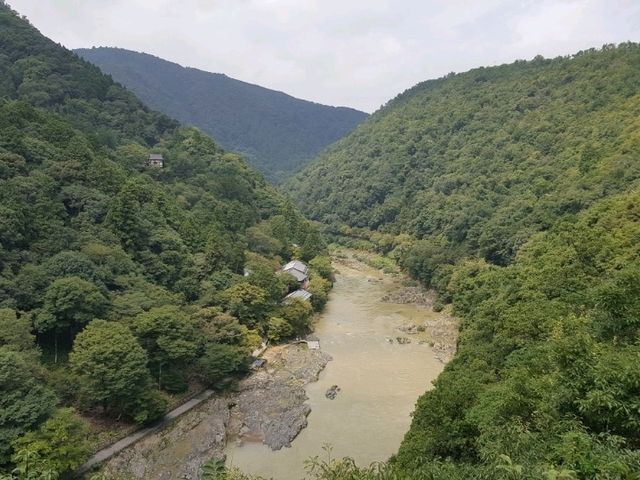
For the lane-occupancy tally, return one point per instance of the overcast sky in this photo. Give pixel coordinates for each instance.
(358, 53)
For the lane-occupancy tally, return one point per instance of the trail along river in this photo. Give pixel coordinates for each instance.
(379, 381)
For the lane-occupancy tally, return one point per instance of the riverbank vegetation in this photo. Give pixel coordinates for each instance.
(122, 286)
(513, 192)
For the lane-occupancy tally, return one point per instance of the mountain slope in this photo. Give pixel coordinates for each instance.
(276, 132)
(514, 192)
(488, 157)
(144, 265)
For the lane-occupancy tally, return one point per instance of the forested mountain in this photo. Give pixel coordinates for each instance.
(121, 283)
(481, 160)
(277, 133)
(514, 192)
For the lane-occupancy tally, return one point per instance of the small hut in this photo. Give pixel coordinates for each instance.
(155, 160)
(299, 270)
(299, 295)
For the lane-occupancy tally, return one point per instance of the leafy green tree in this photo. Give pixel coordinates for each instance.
(246, 302)
(322, 266)
(224, 251)
(30, 467)
(169, 337)
(71, 264)
(319, 289)
(278, 329)
(69, 303)
(25, 399)
(15, 332)
(215, 326)
(312, 246)
(219, 361)
(112, 370)
(264, 276)
(59, 445)
(298, 314)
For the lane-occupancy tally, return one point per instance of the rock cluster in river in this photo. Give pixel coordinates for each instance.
(332, 392)
(406, 295)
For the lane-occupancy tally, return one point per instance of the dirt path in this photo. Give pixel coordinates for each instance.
(110, 451)
(269, 406)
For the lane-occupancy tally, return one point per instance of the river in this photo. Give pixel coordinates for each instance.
(380, 381)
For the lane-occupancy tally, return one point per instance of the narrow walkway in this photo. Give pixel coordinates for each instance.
(110, 451)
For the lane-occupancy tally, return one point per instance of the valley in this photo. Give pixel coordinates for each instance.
(449, 289)
(280, 415)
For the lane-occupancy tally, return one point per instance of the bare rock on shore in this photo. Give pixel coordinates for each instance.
(418, 295)
(442, 332)
(178, 451)
(270, 406)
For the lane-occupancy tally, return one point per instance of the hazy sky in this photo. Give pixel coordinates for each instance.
(358, 53)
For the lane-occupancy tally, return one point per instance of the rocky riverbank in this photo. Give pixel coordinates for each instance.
(268, 406)
(440, 331)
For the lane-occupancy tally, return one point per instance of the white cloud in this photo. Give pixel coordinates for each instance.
(359, 53)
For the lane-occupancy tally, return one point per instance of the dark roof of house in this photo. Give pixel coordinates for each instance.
(155, 156)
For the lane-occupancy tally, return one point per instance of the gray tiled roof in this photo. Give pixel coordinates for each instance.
(298, 269)
(299, 294)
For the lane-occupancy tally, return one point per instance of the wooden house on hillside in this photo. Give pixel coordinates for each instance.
(299, 270)
(155, 160)
(299, 295)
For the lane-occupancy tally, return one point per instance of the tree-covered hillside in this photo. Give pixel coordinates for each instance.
(277, 133)
(545, 383)
(513, 191)
(479, 161)
(122, 284)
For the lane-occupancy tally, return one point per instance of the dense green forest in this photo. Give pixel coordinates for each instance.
(277, 133)
(545, 383)
(123, 286)
(477, 162)
(513, 191)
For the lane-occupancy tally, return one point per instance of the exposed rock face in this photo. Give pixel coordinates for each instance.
(179, 450)
(417, 295)
(440, 331)
(269, 406)
(443, 335)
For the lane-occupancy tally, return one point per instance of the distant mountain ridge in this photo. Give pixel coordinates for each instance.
(276, 132)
